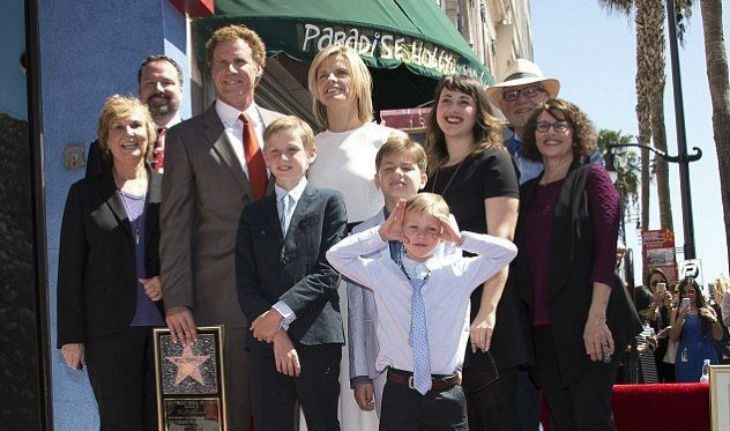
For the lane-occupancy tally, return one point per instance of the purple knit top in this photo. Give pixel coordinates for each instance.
(603, 206)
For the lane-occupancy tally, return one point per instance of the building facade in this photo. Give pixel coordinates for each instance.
(498, 31)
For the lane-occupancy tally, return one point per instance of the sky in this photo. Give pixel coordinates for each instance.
(593, 53)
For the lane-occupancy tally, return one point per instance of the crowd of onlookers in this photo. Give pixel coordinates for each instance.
(684, 325)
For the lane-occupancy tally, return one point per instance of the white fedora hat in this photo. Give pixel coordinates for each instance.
(522, 72)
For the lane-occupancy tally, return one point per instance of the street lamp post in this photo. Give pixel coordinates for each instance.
(682, 158)
(684, 181)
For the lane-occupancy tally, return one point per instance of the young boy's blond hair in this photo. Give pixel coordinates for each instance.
(295, 125)
(427, 204)
(401, 143)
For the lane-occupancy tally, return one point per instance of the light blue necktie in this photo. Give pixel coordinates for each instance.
(286, 206)
(418, 338)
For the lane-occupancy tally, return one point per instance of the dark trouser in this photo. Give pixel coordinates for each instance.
(528, 402)
(582, 405)
(666, 372)
(122, 374)
(238, 392)
(405, 409)
(495, 406)
(317, 389)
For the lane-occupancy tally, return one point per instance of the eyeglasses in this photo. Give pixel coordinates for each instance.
(558, 126)
(528, 92)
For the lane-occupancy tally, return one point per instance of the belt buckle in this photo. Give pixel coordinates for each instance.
(410, 382)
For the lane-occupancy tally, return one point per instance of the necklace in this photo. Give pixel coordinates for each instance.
(436, 178)
(137, 222)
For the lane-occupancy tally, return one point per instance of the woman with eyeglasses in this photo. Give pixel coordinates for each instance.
(471, 169)
(567, 233)
(695, 328)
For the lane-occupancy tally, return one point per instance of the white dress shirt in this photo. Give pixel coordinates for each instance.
(365, 258)
(233, 127)
(295, 193)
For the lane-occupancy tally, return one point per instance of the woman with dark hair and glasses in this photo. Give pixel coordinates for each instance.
(566, 233)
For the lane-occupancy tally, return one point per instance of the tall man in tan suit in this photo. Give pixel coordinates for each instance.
(213, 168)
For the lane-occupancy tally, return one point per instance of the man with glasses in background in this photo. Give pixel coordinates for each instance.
(524, 88)
(516, 96)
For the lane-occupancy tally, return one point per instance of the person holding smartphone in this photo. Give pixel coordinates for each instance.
(654, 303)
(695, 328)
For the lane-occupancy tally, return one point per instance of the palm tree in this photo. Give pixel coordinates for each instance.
(717, 75)
(624, 162)
(650, 83)
(643, 116)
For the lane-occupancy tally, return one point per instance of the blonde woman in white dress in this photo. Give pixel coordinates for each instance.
(341, 87)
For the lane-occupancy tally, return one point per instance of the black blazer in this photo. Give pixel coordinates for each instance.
(294, 269)
(97, 277)
(569, 268)
(95, 165)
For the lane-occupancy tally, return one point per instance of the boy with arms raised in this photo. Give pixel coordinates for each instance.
(423, 307)
(287, 288)
(400, 166)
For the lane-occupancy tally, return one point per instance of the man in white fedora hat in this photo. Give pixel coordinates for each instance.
(523, 89)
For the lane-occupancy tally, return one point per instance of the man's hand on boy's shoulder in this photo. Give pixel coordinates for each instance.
(285, 355)
(265, 326)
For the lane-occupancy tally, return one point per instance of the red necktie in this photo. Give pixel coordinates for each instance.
(158, 151)
(257, 176)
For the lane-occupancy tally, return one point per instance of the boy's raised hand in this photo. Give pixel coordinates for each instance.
(449, 232)
(392, 228)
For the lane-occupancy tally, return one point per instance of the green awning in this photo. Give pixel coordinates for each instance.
(386, 33)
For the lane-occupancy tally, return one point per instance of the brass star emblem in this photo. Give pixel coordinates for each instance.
(188, 365)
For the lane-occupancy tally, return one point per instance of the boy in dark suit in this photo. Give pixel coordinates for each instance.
(288, 290)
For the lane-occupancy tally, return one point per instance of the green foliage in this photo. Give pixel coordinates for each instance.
(625, 162)
(683, 10)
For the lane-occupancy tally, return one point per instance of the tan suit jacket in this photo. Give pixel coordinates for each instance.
(204, 190)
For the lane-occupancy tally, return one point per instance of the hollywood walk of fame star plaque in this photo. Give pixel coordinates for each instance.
(190, 390)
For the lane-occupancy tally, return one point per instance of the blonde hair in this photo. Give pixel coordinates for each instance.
(118, 106)
(722, 284)
(400, 143)
(233, 32)
(427, 204)
(294, 125)
(362, 83)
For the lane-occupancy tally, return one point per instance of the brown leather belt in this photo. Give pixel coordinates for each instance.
(438, 383)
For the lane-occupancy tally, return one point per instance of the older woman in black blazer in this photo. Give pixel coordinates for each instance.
(108, 284)
(567, 232)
